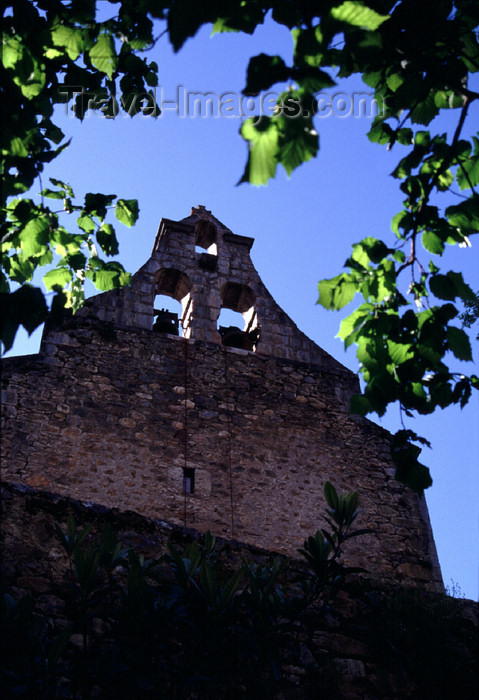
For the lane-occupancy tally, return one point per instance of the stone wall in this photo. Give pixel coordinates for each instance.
(113, 412)
(115, 422)
(205, 283)
(366, 643)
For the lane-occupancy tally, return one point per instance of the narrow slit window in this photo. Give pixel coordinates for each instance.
(188, 480)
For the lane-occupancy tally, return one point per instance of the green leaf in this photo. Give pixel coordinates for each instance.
(405, 456)
(231, 587)
(86, 223)
(185, 18)
(234, 16)
(16, 147)
(308, 46)
(414, 474)
(107, 239)
(352, 324)
(52, 194)
(463, 290)
(208, 583)
(467, 174)
(96, 204)
(20, 269)
(432, 242)
(127, 211)
(369, 250)
(400, 352)
(299, 142)
(380, 133)
(402, 220)
(103, 55)
(264, 71)
(263, 137)
(443, 287)
(356, 14)
(445, 180)
(395, 80)
(465, 215)
(34, 236)
(28, 72)
(107, 276)
(27, 307)
(72, 39)
(23, 210)
(359, 405)
(59, 276)
(104, 280)
(63, 185)
(336, 292)
(331, 495)
(12, 52)
(76, 261)
(405, 136)
(448, 99)
(459, 343)
(425, 111)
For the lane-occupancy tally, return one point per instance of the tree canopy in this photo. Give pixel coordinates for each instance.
(417, 58)
(53, 51)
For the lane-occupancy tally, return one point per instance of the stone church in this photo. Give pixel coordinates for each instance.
(234, 429)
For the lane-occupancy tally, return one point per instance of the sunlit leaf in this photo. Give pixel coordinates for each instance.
(127, 211)
(353, 324)
(86, 223)
(59, 276)
(69, 38)
(358, 15)
(34, 236)
(448, 99)
(399, 352)
(467, 174)
(103, 55)
(432, 242)
(263, 137)
(336, 292)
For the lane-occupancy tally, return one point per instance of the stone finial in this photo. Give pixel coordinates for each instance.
(201, 210)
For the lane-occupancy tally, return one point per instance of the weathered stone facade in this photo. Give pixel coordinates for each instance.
(194, 431)
(370, 641)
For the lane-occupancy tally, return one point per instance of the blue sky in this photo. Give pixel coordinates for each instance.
(303, 228)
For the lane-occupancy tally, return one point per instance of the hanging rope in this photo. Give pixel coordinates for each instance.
(228, 422)
(185, 431)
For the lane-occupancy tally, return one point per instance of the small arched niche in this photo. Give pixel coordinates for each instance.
(238, 321)
(173, 307)
(205, 237)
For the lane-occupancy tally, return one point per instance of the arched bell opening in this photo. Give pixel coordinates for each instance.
(238, 321)
(173, 307)
(205, 238)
